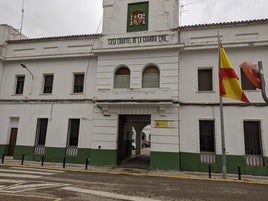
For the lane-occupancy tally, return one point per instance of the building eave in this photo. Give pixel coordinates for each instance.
(223, 24)
(56, 38)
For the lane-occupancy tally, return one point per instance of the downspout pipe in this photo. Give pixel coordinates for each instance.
(261, 75)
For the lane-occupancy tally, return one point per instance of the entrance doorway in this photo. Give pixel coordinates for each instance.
(12, 141)
(134, 141)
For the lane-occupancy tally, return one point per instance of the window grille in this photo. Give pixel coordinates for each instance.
(151, 78)
(73, 136)
(207, 141)
(40, 137)
(122, 78)
(253, 144)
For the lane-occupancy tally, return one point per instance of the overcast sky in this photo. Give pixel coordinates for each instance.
(43, 18)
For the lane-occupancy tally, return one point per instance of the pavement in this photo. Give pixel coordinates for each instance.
(128, 169)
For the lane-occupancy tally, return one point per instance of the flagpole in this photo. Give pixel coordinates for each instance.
(222, 119)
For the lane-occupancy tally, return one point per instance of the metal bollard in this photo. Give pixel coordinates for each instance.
(42, 160)
(22, 159)
(209, 171)
(3, 158)
(239, 173)
(64, 161)
(86, 164)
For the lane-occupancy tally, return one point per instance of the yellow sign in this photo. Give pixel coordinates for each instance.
(161, 124)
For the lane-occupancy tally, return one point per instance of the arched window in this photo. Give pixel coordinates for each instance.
(151, 77)
(122, 78)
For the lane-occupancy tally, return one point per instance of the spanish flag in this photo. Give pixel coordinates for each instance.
(229, 86)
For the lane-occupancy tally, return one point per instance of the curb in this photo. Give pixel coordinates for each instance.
(199, 178)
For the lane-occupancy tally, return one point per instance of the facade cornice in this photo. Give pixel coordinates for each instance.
(250, 44)
(58, 56)
(49, 101)
(139, 48)
(256, 104)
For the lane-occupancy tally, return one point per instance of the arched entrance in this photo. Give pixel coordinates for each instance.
(133, 148)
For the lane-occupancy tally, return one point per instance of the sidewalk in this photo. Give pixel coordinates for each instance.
(136, 172)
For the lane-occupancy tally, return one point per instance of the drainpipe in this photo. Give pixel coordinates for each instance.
(261, 75)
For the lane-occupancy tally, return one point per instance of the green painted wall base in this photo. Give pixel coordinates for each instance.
(3, 149)
(159, 160)
(99, 157)
(191, 162)
(52, 154)
(165, 161)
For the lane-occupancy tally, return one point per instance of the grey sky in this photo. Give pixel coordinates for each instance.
(72, 17)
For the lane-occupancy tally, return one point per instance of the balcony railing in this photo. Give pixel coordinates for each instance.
(134, 94)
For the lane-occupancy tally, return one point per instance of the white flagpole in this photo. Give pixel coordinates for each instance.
(222, 119)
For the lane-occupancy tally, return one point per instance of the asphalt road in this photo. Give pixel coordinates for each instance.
(33, 185)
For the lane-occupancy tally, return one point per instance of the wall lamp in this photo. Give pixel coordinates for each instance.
(25, 67)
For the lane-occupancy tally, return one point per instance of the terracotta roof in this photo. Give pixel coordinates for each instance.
(56, 38)
(223, 24)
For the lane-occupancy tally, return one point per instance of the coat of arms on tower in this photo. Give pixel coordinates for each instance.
(137, 17)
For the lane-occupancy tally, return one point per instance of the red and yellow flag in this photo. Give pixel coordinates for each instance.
(229, 86)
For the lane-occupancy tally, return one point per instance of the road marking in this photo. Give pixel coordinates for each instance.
(107, 194)
(10, 180)
(37, 169)
(12, 183)
(27, 172)
(20, 175)
(31, 196)
(23, 185)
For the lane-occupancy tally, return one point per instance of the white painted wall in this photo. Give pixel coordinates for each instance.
(166, 61)
(63, 70)
(162, 139)
(191, 61)
(58, 115)
(233, 121)
(9, 33)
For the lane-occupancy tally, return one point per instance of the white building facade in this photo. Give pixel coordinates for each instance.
(80, 96)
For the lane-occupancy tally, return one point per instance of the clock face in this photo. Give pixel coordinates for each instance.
(138, 17)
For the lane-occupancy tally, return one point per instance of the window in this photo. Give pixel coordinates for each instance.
(41, 132)
(252, 137)
(122, 78)
(78, 83)
(207, 139)
(48, 84)
(20, 84)
(204, 79)
(246, 84)
(151, 77)
(73, 132)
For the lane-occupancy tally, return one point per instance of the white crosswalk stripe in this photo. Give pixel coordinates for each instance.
(18, 179)
(36, 169)
(30, 173)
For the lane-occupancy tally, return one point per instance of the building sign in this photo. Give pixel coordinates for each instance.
(164, 124)
(137, 40)
(137, 19)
